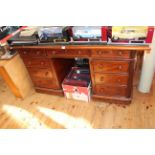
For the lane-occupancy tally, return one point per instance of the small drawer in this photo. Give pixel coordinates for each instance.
(78, 53)
(36, 62)
(68, 53)
(55, 52)
(111, 53)
(40, 73)
(111, 90)
(111, 79)
(33, 52)
(45, 83)
(110, 66)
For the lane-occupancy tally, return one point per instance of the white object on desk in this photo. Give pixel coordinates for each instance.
(148, 69)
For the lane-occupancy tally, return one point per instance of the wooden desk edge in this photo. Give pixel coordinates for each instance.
(105, 47)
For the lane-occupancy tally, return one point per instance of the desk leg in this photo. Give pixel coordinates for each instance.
(9, 82)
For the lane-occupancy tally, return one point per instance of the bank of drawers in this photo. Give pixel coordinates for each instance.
(110, 77)
(43, 77)
(39, 68)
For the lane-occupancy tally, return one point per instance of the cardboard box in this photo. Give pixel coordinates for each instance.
(77, 92)
(77, 85)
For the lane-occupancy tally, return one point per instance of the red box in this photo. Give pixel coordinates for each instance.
(79, 88)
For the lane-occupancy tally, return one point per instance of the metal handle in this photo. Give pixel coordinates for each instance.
(120, 67)
(38, 52)
(42, 63)
(120, 53)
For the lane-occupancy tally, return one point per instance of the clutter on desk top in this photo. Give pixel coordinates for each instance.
(86, 34)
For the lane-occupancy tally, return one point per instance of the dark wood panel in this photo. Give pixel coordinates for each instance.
(111, 79)
(110, 90)
(62, 67)
(111, 54)
(40, 73)
(110, 66)
(45, 83)
(36, 62)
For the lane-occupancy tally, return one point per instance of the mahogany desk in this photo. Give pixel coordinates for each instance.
(111, 67)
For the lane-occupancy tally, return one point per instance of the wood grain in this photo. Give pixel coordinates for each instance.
(58, 112)
(16, 76)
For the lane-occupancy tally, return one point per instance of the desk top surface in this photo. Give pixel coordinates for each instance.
(106, 47)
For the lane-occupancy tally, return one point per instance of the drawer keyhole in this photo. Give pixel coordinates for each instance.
(46, 73)
(102, 78)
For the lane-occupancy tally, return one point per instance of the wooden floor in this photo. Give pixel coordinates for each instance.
(47, 111)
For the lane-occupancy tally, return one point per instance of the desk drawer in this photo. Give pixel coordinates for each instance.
(45, 83)
(68, 53)
(111, 53)
(111, 79)
(40, 73)
(111, 90)
(32, 52)
(110, 66)
(76, 53)
(36, 62)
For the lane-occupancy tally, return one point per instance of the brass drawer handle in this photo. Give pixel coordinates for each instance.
(120, 67)
(100, 52)
(120, 53)
(53, 52)
(119, 80)
(42, 63)
(38, 52)
(79, 52)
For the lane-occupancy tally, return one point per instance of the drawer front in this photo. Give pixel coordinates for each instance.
(68, 53)
(111, 53)
(111, 91)
(55, 52)
(45, 83)
(111, 79)
(36, 62)
(32, 52)
(78, 53)
(40, 73)
(110, 66)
